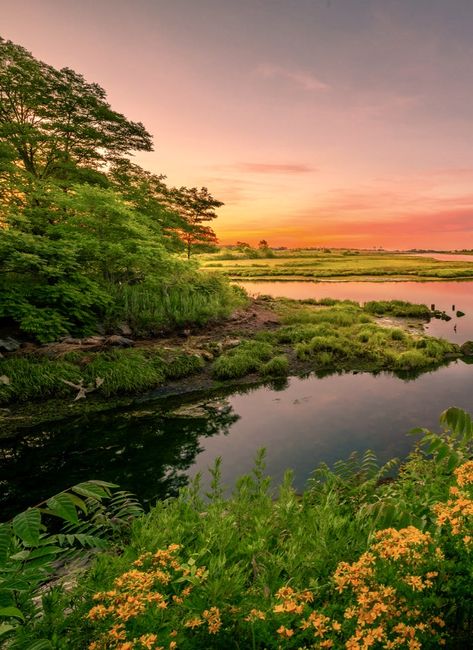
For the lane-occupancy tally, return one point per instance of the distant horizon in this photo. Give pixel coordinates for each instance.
(316, 125)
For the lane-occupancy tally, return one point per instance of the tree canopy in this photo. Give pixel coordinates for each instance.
(79, 222)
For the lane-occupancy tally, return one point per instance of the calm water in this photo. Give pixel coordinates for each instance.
(446, 296)
(151, 451)
(445, 257)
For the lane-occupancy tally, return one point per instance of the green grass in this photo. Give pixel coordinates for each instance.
(306, 264)
(332, 335)
(122, 371)
(398, 308)
(150, 310)
(242, 360)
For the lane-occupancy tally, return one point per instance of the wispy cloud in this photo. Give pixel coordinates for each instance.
(302, 78)
(273, 168)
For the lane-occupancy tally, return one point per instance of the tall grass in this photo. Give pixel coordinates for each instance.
(150, 309)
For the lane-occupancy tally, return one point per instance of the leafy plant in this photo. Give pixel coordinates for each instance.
(35, 543)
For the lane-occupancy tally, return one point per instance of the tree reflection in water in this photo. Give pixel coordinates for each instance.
(145, 451)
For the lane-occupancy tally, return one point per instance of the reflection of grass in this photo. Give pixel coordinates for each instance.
(341, 264)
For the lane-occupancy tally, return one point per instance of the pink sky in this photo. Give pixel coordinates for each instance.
(317, 122)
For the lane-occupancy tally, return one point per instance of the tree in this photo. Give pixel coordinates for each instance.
(195, 206)
(148, 194)
(263, 245)
(57, 123)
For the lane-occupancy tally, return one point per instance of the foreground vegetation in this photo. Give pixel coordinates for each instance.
(336, 264)
(356, 561)
(325, 336)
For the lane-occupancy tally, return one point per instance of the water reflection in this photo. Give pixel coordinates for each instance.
(300, 421)
(146, 451)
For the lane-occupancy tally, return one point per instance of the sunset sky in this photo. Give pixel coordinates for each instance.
(317, 122)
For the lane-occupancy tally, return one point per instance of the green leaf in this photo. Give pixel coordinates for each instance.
(5, 628)
(9, 612)
(63, 506)
(27, 526)
(90, 490)
(45, 550)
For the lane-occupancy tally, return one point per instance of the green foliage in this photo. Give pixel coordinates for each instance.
(81, 225)
(153, 307)
(277, 366)
(398, 308)
(118, 371)
(90, 516)
(247, 561)
(242, 360)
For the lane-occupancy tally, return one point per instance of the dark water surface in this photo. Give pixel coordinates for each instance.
(152, 451)
(302, 422)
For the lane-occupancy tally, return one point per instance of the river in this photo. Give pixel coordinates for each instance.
(149, 449)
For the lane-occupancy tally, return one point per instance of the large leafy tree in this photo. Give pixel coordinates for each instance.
(57, 123)
(79, 223)
(196, 207)
(148, 194)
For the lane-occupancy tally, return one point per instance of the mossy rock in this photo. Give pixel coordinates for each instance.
(467, 348)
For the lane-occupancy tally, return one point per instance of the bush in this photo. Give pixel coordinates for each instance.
(245, 358)
(276, 366)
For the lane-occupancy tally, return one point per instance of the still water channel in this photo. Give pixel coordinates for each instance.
(152, 450)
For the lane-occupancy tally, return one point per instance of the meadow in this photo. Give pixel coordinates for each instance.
(334, 263)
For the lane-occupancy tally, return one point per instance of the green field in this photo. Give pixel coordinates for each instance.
(338, 264)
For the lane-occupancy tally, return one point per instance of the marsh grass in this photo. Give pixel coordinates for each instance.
(150, 309)
(342, 264)
(242, 360)
(122, 371)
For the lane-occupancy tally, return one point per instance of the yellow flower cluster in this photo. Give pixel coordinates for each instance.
(148, 587)
(457, 512)
(382, 613)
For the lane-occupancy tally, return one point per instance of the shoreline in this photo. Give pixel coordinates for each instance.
(263, 320)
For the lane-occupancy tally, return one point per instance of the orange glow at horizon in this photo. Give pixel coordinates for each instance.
(325, 125)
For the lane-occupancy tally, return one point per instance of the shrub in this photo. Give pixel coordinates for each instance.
(242, 360)
(278, 365)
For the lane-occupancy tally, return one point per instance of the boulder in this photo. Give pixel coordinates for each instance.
(467, 348)
(9, 344)
(119, 341)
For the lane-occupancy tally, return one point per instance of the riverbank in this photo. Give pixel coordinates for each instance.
(270, 338)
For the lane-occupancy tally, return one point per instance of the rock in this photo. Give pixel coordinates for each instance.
(190, 411)
(230, 343)
(460, 314)
(124, 329)
(467, 348)
(119, 341)
(9, 344)
(93, 340)
(4, 380)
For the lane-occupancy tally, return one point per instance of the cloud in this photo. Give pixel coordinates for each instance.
(273, 168)
(302, 78)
